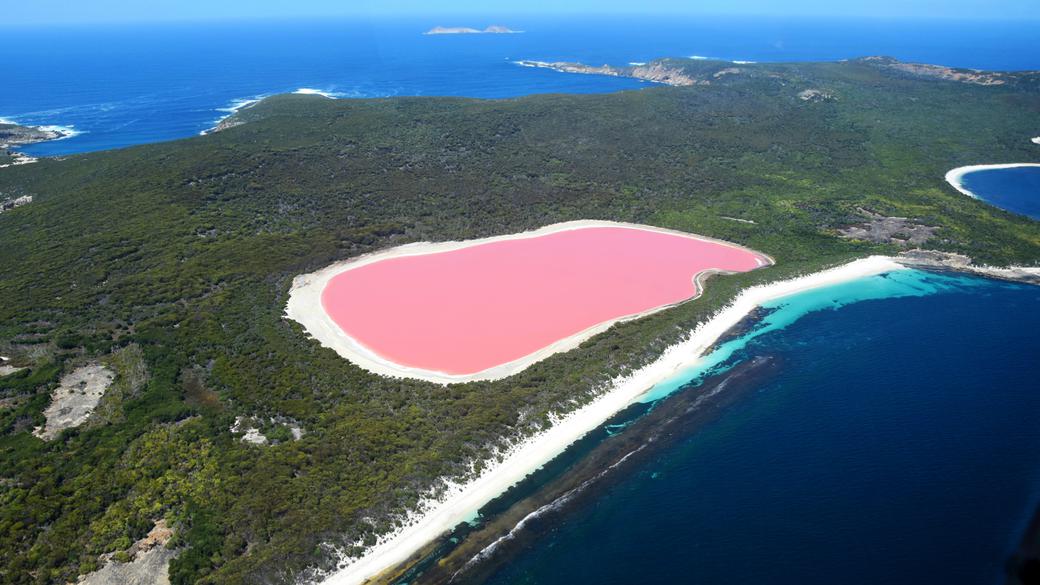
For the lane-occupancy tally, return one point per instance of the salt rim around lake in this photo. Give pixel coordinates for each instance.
(955, 177)
(308, 305)
(458, 502)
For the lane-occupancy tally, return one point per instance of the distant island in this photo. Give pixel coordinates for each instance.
(462, 30)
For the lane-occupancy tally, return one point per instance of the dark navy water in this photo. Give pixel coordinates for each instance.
(131, 84)
(1016, 189)
(898, 444)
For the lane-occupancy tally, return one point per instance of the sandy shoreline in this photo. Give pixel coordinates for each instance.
(305, 305)
(955, 176)
(460, 501)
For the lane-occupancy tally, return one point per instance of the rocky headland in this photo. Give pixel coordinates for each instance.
(14, 135)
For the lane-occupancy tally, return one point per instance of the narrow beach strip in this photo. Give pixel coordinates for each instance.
(461, 501)
(955, 177)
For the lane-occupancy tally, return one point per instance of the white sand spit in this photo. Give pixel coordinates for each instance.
(955, 177)
(74, 399)
(460, 501)
(305, 306)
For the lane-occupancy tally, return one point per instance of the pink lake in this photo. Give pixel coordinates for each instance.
(464, 311)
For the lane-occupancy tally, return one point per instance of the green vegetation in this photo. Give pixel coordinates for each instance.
(172, 262)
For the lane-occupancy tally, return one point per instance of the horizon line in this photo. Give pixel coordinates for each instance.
(446, 19)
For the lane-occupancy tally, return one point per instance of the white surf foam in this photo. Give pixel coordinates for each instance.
(311, 91)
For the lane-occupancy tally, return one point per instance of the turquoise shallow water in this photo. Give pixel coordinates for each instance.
(783, 312)
(1016, 189)
(897, 444)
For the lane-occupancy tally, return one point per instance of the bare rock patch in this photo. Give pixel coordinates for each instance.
(881, 229)
(75, 398)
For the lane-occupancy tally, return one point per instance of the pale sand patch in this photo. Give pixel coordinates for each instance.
(305, 306)
(74, 399)
(955, 177)
(461, 501)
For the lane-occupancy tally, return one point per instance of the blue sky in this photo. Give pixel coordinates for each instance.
(87, 11)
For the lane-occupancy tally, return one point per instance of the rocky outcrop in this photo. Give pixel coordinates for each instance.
(962, 263)
(881, 229)
(15, 135)
(656, 71)
(13, 202)
(12, 135)
(815, 95)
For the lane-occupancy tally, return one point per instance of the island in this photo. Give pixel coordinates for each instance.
(462, 30)
(304, 464)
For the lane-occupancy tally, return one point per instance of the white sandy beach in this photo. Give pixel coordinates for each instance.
(461, 501)
(955, 176)
(305, 305)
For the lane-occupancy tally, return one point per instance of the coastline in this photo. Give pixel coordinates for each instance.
(955, 177)
(651, 430)
(305, 306)
(461, 500)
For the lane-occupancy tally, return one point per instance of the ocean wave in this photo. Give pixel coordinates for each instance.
(311, 91)
(241, 104)
(235, 106)
(637, 63)
(65, 131)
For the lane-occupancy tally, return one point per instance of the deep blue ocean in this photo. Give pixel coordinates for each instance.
(897, 444)
(132, 84)
(1015, 189)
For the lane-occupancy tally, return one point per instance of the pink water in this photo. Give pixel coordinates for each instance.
(467, 310)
